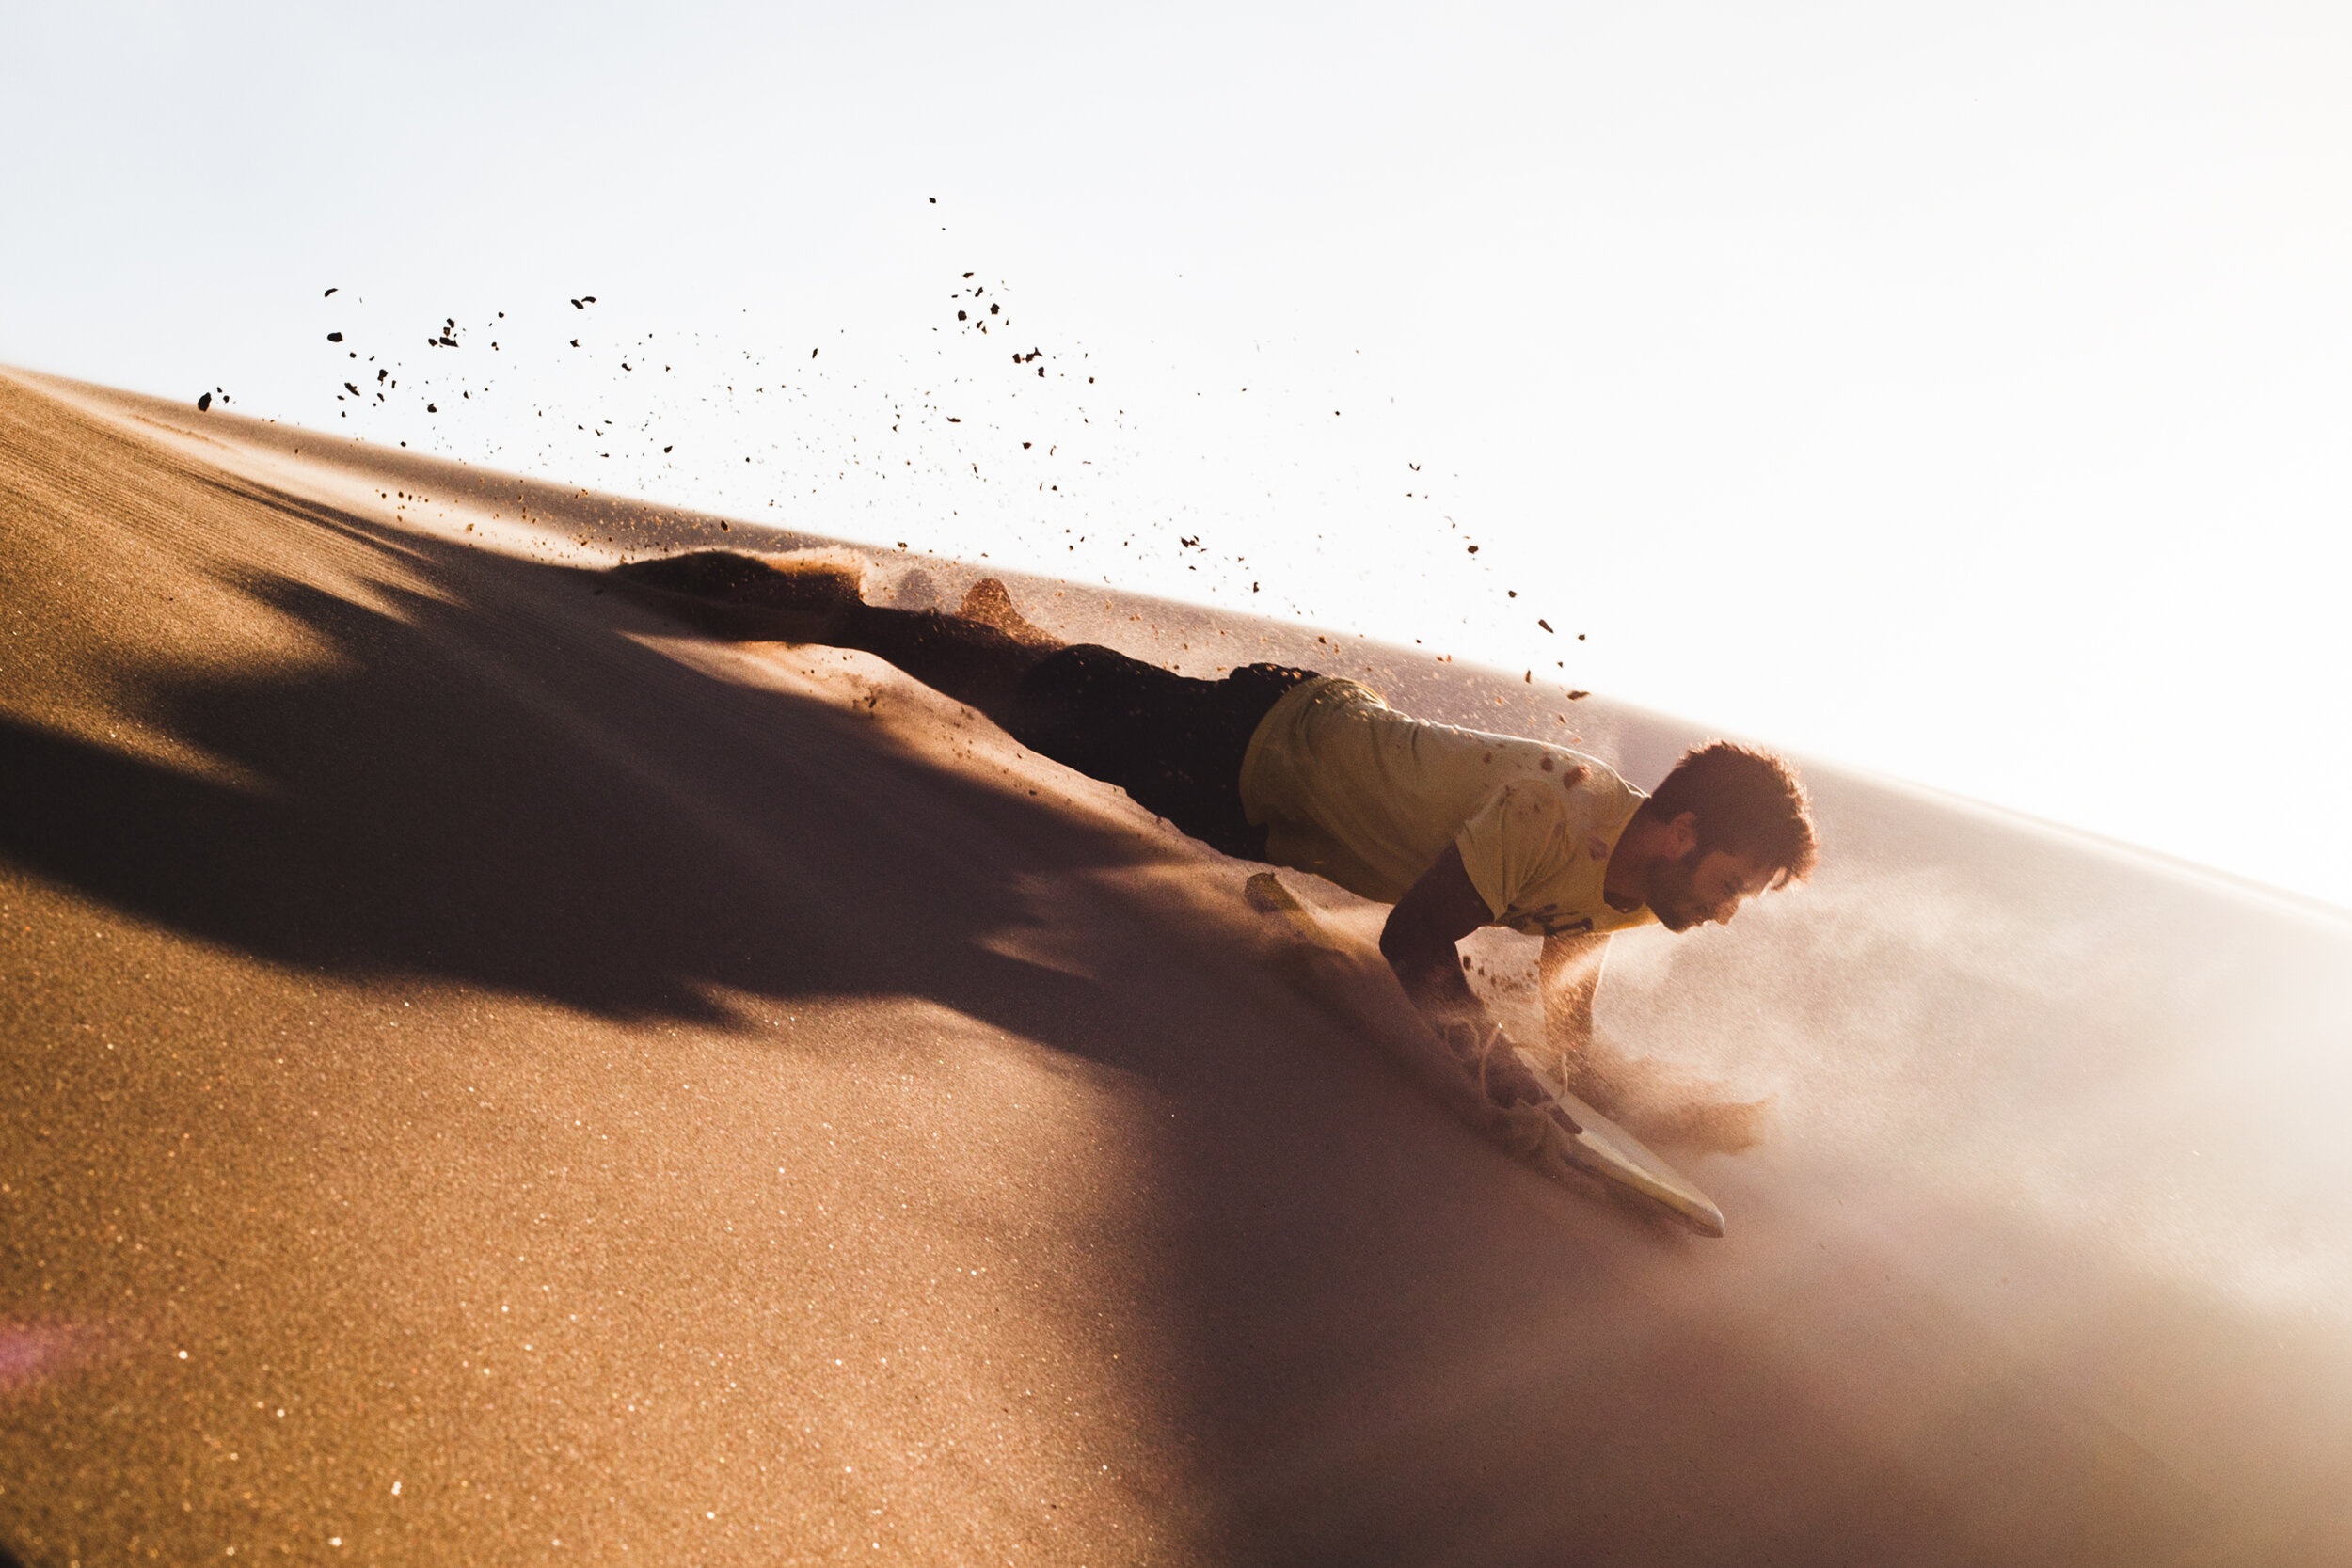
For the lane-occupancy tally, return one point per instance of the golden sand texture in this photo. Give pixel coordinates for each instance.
(494, 1079)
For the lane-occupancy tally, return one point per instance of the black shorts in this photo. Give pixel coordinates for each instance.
(1173, 743)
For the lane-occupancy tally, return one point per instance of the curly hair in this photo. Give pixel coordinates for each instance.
(1747, 802)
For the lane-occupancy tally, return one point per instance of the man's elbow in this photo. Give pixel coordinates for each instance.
(1398, 944)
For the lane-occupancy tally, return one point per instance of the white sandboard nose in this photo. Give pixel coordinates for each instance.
(1609, 1150)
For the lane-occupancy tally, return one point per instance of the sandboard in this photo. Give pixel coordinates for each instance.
(1599, 1146)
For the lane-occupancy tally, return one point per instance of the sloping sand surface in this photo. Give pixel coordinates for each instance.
(493, 1079)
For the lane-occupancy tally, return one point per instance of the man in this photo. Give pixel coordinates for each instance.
(1455, 828)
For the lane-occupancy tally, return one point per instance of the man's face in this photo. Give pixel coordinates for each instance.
(1704, 887)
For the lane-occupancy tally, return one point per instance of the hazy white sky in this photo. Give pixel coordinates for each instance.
(1963, 392)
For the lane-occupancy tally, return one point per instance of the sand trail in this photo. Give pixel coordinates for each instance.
(726, 1104)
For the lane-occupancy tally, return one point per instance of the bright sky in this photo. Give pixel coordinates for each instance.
(1958, 391)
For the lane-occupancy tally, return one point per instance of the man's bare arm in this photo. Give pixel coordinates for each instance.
(1436, 912)
(1570, 971)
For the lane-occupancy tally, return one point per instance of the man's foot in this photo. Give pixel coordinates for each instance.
(990, 604)
(792, 598)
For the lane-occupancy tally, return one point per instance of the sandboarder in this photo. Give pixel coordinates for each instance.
(1456, 828)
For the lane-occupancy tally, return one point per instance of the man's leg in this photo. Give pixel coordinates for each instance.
(968, 660)
(978, 656)
(1173, 743)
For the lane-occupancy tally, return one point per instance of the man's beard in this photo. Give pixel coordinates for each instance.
(1672, 891)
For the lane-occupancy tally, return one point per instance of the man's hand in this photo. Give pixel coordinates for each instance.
(1488, 1055)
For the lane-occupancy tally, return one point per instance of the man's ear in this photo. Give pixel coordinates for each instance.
(1682, 834)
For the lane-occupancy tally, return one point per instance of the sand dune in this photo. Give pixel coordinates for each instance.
(494, 1079)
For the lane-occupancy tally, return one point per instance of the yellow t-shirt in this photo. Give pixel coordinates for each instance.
(1351, 789)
